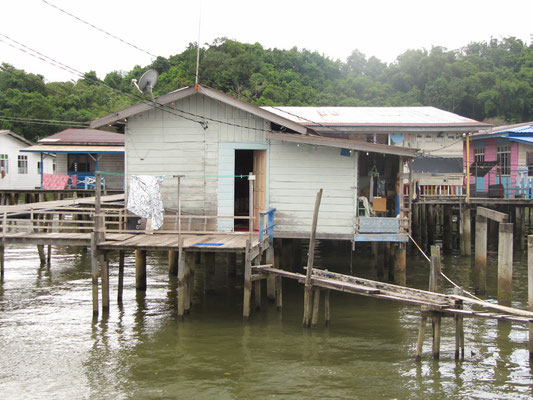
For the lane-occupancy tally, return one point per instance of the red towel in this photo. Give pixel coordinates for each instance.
(56, 182)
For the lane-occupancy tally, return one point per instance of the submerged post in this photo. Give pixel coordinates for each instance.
(247, 282)
(459, 331)
(480, 261)
(140, 269)
(400, 264)
(467, 231)
(310, 260)
(505, 263)
(530, 290)
(120, 276)
(433, 287)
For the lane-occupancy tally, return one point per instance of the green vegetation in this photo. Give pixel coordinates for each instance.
(482, 80)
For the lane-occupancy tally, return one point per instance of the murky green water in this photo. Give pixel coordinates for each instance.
(50, 347)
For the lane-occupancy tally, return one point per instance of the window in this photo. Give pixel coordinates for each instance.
(39, 166)
(479, 154)
(3, 165)
(23, 164)
(503, 156)
(80, 163)
(529, 160)
(54, 166)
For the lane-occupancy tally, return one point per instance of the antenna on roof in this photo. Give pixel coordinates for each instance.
(147, 82)
(198, 48)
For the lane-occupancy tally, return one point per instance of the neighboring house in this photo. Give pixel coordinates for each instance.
(439, 176)
(211, 139)
(20, 170)
(82, 152)
(437, 134)
(501, 161)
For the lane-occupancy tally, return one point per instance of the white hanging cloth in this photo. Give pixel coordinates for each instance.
(144, 198)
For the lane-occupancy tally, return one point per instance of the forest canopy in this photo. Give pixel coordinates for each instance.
(482, 81)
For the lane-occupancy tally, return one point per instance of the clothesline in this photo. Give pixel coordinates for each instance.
(172, 175)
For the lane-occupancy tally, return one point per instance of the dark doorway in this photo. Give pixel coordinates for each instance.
(244, 164)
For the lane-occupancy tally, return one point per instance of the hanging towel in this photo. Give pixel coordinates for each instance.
(56, 182)
(144, 198)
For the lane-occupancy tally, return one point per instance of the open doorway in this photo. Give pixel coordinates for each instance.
(247, 161)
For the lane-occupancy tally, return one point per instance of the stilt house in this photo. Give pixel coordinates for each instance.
(212, 139)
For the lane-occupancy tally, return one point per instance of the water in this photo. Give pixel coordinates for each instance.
(51, 348)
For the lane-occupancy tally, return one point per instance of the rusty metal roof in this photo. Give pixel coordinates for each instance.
(93, 137)
(370, 118)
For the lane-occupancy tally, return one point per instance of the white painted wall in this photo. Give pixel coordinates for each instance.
(13, 180)
(161, 143)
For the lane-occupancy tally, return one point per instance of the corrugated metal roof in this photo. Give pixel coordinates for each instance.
(54, 148)
(15, 136)
(375, 116)
(85, 136)
(527, 129)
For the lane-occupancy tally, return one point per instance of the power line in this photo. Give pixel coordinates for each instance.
(30, 121)
(99, 29)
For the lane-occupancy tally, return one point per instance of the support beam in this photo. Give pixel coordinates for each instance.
(326, 307)
(459, 330)
(400, 263)
(94, 273)
(247, 282)
(505, 264)
(530, 290)
(2, 262)
(140, 269)
(480, 261)
(519, 227)
(492, 214)
(271, 279)
(173, 258)
(467, 232)
(104, 270)
(447, 228)
(316, 306)
(120, 289)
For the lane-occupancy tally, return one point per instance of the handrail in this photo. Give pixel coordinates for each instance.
(269, 229)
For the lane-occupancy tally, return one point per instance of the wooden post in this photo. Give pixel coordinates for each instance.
(310, 260)
(467, 229)
(519, 227)
(433, 287)
(173, 262)
(326, 307)
(447, 228)
(530, 291)
(104, 268)
(271, 278)
(257, 287)
(400, 262)
(416, 222)
(94, 272)
(181, 280)
(459, 331)
(2, 263)
(247, 282)
(431, 224)
(505, 263)
(279, 293)
(423, 227)
(480, 261)
(188, 282)
(209, 273)
(420, 341)
(140, 269)
(316, 306)
(120, 276)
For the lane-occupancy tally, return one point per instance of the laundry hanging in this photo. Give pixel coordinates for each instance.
(144, 198)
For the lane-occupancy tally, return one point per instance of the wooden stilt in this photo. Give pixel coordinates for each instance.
(120, 276)
(257, 288)
(433, 287)
(173, 263)
(436, 324)
(279, 293)
(400, 262)
(459, 331)
(416, 222)
(209, 273)
(423, 227)
(420, 341)
(188, 284)
(480, 261)
(310, 260)
(104, 268)
(467, 229)
(42, 255)
(530, 291)
(271, 279)
(505, 263)
(519, 227)
(247, 282)
(140, 269)
(181, 280)
(94, 273)
(326, 307)
(447, 229)
(431, 224)
(316, 306)
(2, 262)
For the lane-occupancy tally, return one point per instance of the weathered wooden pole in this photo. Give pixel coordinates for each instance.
(467, 231)
(104, 268)
(480, 261)
(505, 263)
(2, 263)
(271, 278)
(433, 287)
(447, 228)
(530, 290)
(140, 269)
(257, 288)
(326, 307)
(459, 331)
(400, 264)
(120, 289)
(181, 280)
(247, 282)
(316, 306)
(94, 272)
(416, 222)
(188, 281)
(310, 261)
(173, 262)
(519, 227)
(423, 227)
(431, 224)
(279, 293)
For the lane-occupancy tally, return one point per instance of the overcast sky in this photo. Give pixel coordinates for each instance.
(334, 28)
